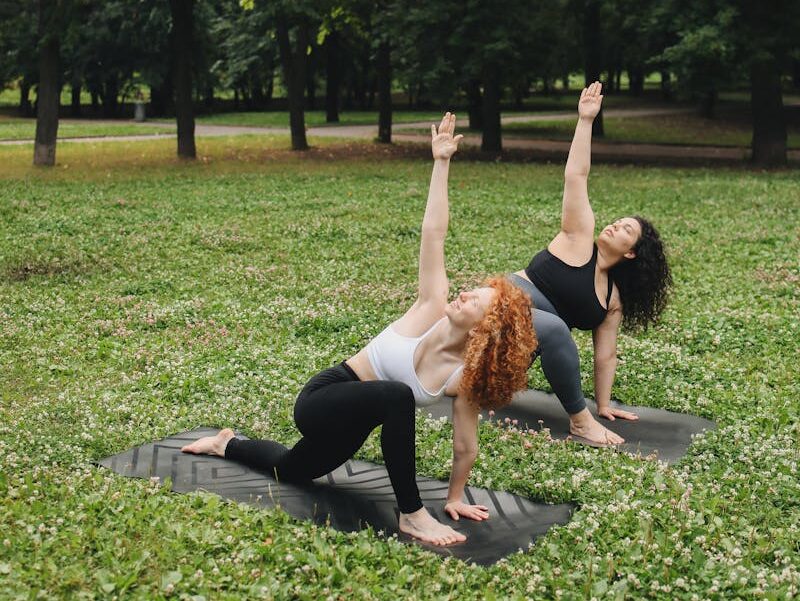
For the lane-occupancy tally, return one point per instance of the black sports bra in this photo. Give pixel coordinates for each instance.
(570, 289)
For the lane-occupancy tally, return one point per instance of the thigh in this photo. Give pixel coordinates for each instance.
(348, 406)
(551, 331)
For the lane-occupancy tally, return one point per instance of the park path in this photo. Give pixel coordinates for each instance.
(327, 131)
(556, 149)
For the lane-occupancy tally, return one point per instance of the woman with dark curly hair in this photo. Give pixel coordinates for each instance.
(476, 348)
(621, 278)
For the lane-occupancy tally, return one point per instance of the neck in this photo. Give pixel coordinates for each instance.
(606, 260)
(449, 339)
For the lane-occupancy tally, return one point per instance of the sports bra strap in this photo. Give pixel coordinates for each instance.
(610, 288)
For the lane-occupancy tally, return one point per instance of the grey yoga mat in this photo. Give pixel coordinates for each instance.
(353, 496)
(666, 433)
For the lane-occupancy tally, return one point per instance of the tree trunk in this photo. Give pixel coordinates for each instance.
(796, 73)
(592, 55)
(256, 89)
(384, 68)
(294, 74)
(666, 85)
(769, 121)
(270, 85)
(332, 77)
(182, 48)
(566, 82)
(49, 89)
(491, 140)
(708, 103)
(636, 81)
(474, 104)
(110, 96)
(208, 97)
(25, 108)
(311, 79)
(95, 95)
(75, 98)
(361, 88)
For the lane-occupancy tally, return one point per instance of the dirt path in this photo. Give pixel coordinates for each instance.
(545, 148)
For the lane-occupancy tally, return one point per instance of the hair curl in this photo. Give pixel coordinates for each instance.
(644, 282)
(499, 348)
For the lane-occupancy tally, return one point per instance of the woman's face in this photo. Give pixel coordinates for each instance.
(469, 307)
(621, 236)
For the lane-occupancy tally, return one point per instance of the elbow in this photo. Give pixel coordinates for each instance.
(573, 174)
(434, 232)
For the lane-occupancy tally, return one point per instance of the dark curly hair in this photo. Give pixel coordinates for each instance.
(644, 282)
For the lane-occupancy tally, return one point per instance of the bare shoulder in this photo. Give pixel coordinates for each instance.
(419, 318)
(573, 249)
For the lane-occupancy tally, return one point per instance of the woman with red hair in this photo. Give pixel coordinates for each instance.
(476, 348)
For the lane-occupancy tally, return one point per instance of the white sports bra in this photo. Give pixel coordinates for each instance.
(392, 358)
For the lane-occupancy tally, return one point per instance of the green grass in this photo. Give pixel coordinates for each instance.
(313, 118)
(25, 129)
(141, 296)
(687, 129)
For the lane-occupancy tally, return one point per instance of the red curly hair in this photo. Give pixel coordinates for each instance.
(499, 348)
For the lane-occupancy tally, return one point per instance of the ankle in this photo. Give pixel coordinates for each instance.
(419, 513)
(582, 418)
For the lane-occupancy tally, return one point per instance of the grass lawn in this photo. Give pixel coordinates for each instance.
(684, 128)
(313, 118)
(142, 296)
(25, 129)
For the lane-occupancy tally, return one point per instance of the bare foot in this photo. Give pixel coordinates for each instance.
(425, 527)
(584, 425)
(210, 445)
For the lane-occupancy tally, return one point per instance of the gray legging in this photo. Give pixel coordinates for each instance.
(559, 355)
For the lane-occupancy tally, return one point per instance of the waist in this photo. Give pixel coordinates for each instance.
(361, 366)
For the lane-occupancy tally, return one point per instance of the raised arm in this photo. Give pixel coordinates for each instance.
(577, 218)
(465, 451)
(432, 276)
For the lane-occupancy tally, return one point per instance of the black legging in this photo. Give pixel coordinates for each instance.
(335, 412)
(560, 362)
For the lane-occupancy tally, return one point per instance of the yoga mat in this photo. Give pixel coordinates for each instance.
(657, 430)
(354, 495)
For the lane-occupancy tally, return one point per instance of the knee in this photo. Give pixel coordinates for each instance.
(399, 397)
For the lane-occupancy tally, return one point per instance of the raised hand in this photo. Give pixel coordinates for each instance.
(591, 99)
(474, 512)
(443, 143)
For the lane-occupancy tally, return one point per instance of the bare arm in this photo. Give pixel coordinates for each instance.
(604, 338)
(577, 218)
(465, 450)
(433, 284)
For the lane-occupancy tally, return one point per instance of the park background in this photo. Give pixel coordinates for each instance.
(148, 287)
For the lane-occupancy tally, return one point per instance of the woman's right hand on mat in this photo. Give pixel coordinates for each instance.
(443, 143)
(474, 512)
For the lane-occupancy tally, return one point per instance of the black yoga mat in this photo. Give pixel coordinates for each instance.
(354, 495)
(666, 433)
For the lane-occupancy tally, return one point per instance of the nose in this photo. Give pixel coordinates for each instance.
(463, 296)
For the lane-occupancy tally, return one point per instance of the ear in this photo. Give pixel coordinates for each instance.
(630, 255)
